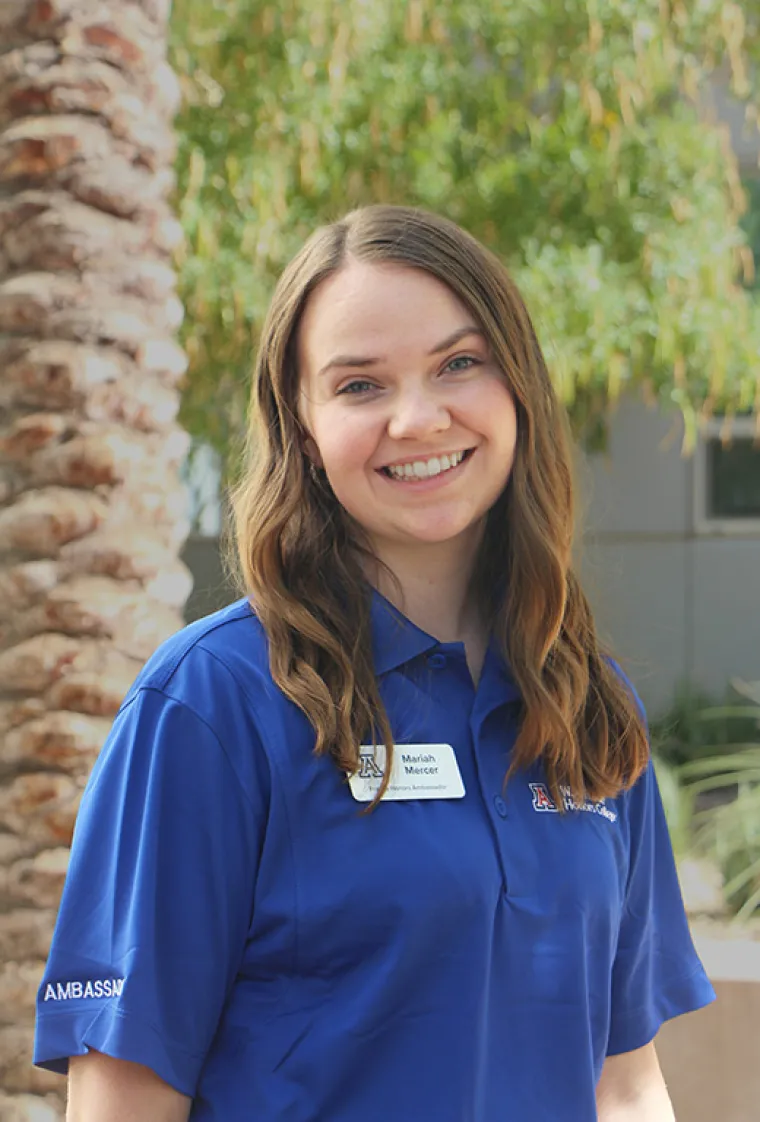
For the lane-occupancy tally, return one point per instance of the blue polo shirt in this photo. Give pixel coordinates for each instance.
(232, 919)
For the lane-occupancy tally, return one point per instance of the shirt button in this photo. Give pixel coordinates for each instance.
(436, 661)
(501, 806)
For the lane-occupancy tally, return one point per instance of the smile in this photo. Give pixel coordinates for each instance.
(426, 469)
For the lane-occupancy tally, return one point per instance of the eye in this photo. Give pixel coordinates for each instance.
(360, 386)
(461, 362)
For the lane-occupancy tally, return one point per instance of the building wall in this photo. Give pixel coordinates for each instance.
(676, 605)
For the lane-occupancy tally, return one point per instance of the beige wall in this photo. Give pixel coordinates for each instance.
(711, 1059)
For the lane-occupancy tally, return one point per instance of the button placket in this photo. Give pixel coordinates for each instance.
(501, 806)
(488, 801)
(493, 730)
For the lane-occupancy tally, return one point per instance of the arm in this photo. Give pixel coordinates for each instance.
(157, 900)
(632, 1089)
(102, 1089)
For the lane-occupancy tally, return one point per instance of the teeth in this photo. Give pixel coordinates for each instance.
(424, 469)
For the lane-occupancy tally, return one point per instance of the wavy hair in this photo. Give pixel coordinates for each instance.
(299, 554)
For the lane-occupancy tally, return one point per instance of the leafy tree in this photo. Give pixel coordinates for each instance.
(567, 136)
(751, 224)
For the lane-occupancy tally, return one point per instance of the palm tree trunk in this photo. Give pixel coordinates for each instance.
(92, 514)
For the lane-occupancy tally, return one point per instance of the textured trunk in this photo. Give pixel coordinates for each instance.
(91, 510)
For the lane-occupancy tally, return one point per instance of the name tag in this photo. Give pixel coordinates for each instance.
(420, 771)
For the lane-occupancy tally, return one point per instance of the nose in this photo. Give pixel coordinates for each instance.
(418, 413)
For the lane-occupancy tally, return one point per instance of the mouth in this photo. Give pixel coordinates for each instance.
(415, 471)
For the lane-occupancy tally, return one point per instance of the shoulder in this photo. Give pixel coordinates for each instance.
(217, 669)
(234, 626)
(222, 653)
(197, 699)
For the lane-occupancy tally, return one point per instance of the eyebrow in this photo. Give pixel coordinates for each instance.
(358, 362)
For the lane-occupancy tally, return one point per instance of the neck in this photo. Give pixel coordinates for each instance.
(434, 588)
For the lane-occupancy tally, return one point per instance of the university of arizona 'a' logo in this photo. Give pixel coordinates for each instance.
(544, 803)
(368, 768)
(542, 800)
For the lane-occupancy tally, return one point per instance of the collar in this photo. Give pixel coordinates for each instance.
(395, 639)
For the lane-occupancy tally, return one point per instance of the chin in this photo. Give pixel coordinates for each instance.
(440, 535)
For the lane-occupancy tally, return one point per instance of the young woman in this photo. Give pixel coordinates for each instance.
(381, 840)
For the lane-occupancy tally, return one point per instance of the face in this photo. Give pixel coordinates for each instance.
(406, 409)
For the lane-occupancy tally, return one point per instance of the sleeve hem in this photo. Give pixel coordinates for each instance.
(119, 1035)
(639, 1027)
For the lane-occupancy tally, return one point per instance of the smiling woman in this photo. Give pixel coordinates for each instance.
(388, 842)
(431, 393)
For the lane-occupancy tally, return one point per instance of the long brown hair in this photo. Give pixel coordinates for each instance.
(300, 555)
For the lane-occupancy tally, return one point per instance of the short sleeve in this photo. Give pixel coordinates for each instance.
(158, 897)
(656, 974)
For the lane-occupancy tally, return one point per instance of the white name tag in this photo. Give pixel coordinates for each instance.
(420, 771)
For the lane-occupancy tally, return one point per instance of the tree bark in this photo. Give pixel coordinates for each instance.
(92, 513)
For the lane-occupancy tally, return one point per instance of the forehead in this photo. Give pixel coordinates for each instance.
(385, 305)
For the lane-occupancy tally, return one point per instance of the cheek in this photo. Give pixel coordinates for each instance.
(492, 411)
(346, 443)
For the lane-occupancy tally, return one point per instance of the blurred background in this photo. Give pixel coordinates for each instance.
(158, 167)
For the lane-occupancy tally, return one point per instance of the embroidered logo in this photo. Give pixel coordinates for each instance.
(544, 803)
(542, 800)
(75, 991)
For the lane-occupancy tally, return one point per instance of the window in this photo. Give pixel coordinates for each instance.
(727, 478)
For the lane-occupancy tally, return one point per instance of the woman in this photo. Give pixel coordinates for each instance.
(273, 914)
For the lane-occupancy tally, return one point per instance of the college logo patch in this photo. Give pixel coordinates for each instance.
(544, 803)
(542, 800)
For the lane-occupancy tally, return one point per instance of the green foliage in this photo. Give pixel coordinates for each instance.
(731, 833)
(751, 225)
(678, 804)
(696, 727)
(708, 767)
(566, 136)
(729, 830)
